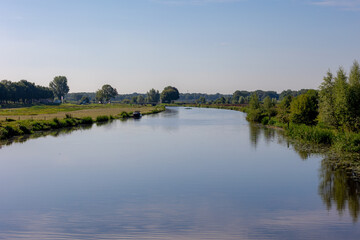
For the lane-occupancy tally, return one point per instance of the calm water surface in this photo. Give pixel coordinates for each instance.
(181, 174)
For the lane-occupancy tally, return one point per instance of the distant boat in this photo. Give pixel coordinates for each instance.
(137, 114)
(188, 108)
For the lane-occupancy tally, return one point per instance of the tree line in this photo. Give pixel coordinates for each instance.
(23, 92)
(335, 105)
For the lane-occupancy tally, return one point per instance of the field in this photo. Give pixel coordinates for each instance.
(47, 112)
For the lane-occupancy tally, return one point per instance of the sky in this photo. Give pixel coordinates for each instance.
(205, 46)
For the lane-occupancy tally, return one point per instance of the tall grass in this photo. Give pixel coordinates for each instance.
(313, 134)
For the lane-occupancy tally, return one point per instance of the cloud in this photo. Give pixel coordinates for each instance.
(194, 2)
(343, 4)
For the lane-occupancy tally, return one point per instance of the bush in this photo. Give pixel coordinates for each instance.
(265, 120)
(254, 115)
(86, 120)
(24, 129)
(102, 118)
(124, 115)
(348, 142)
(311, 134)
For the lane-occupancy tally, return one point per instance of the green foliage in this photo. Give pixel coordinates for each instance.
(59, 86)
(254, 115)
(84, 100)
(124, 115)
(269, 107)
(313, 134)
(140, 99)
(304, 108)
(347, 142)
(241, 100)
(103, 118)
(201, 100)
(326, 100)
(265, 120)
(341, 110)
(86, 120)
(23, 92)
(220, 100)
(169, 94)
(106, 93)
(24, 129)
(153, 96)
(254, 101)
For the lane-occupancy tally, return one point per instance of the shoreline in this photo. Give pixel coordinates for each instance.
(11, 129)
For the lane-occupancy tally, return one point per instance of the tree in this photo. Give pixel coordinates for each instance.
(220, 100)
(169, 94)
(153, 96)
(254, 102)
(99, 96)
(133, 100)
(354, 96)
(241, 100)
(84, 100)
(326, 100)
(268, 106)
(284, 109)
(341, 108)
(140, 99)
(201, 100)
(106, 93)
(59, 86)
(304, 108)
(109, 92)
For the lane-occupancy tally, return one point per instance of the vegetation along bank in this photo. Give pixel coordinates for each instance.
(29, 120)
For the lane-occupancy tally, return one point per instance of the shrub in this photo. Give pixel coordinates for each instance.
(254, 115)
(86, 120)
(348, 142)
(124, 115)
(24, 129)
(103, 118)
(311, 134)
(265, 120)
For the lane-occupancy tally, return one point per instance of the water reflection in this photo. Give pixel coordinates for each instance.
(339, 186)
(40, 134)
(339, 182)
(143, 180)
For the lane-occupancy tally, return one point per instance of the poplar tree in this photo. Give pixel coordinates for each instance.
(326, 100)
(341, 108)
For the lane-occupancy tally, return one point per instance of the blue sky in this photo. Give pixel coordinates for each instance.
(195, 45)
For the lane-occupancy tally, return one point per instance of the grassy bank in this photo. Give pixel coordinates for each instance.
(23, 121)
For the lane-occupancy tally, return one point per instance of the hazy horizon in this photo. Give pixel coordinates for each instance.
(198, 46)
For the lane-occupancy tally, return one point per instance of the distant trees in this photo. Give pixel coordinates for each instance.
(140, 99)
(59, 87)
(201, 100)
(169, 94)
(84, 100)
(23, 92)
(106, 93)
(153, 96)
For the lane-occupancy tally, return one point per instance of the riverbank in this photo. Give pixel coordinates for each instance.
(25, 121)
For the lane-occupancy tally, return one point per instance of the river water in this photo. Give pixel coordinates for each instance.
(181, 174)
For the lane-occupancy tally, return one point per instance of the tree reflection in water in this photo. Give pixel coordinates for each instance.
(339, 176)
(54, 133)
(339, 185)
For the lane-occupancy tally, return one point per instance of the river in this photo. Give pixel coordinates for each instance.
(181, 174)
